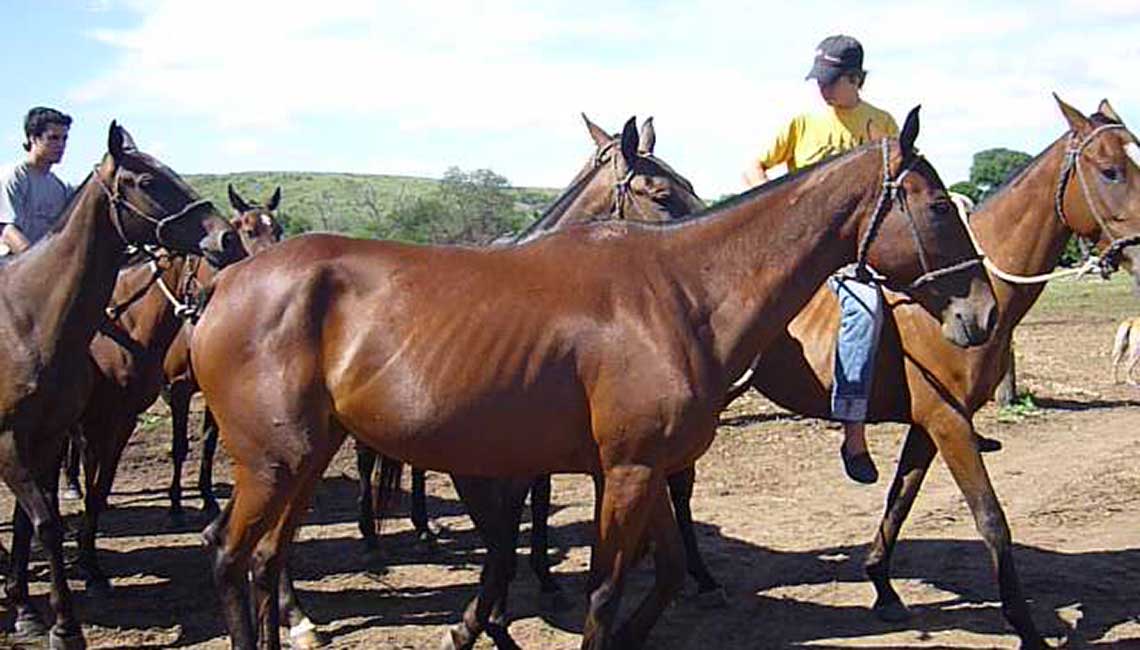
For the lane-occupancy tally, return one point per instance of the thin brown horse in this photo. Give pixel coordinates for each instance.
(54, 297)
(1086, 184)
(522, 360)
(658, 193)
(258, 229)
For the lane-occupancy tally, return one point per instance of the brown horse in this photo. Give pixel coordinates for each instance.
(258, 229)
(596, 192)
(147, 307)
(1084, 183)
(54, 297)
(522, 360)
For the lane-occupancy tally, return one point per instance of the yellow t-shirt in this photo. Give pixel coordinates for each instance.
(812, 137)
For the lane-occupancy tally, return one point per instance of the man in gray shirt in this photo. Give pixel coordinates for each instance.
(31, 196)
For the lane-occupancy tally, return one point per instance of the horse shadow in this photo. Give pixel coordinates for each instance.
(772, 592)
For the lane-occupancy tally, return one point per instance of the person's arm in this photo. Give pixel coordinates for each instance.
(14, 238)
(11, 203)
(780, 152)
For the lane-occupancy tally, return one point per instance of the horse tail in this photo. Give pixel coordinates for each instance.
(1120, 345)
(386, 490)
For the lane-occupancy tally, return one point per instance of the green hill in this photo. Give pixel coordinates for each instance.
(391, 207)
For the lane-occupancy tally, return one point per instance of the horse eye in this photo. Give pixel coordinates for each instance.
(1110, 174)
(942, 208)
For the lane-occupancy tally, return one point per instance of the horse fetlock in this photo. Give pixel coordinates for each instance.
(29, 626)
(66, 640)
(457, 638)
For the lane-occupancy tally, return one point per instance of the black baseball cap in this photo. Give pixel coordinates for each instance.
(834, 57)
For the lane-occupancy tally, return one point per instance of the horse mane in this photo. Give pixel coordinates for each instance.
(1098, 119)
(558, 207)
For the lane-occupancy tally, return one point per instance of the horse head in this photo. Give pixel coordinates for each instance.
(622, 180)
(1098, 194)
(254, 222)
(150, 204)
(916, 239)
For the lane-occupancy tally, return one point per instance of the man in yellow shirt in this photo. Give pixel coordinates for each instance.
(844, 123)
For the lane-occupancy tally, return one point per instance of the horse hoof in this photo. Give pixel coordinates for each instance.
(67, 641)
(99, 587)
(892, 612)
(715, 598)
(29, 629)
(454, 639)
(553, 601)
(426, 542)
(308, 640)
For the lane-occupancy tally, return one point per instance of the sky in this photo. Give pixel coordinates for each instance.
(412, 88)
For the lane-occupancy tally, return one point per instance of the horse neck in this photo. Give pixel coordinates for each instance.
(575, 204)
(63, 284)
(1019, 231)
(151, 321)
(759, 261)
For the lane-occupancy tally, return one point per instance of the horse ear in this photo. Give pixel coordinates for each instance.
(236, 201)
(1106, 110)
(274, 200)
(629, 141)
(119, 141)
(648, 136)
(909, 132)
(1077, 122)
(601, 138)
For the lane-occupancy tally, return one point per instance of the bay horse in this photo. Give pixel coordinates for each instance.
(596, 192)
(259, 229)
(516, 361)
(54, 297)
(1085, 183)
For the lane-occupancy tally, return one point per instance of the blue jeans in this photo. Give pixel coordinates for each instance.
(861, 320)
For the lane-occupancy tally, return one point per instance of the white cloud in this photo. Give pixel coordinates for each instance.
(719, 76)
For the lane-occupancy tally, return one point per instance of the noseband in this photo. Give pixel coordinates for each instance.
(118, 202)
(1110, 260)
(893, 191)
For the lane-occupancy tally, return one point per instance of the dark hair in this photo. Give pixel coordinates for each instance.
(857, 77)
(37, 121)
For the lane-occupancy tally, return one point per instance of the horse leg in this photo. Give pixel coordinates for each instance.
(179, 402)
(41, 511)
(709, 592)
(256, 504)
(419, 508)
(74, 456)
(669, 565)
(551, 594)
(917, 454)
(495, 506)
(630, 497)
(366, 518)
(275, 601)
(29, 624)
(956, 445)
(206, 469)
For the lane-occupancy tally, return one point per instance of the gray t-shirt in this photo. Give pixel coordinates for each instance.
(31, 200)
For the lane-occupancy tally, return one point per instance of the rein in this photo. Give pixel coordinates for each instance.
(893, 191)
(184, 310)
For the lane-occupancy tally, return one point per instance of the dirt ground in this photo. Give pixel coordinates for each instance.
(779, 524)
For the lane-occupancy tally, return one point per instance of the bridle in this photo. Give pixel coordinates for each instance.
(184, 308)
(623, 193)
(118, 202)
(893, 191)
(1109, 262)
